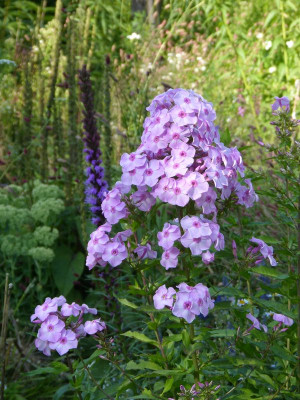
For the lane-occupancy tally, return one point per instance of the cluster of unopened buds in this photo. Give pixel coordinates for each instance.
(197, 391)
(60, 329)
(190, 301)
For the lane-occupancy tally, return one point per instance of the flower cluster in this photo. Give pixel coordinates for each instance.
(61, 328)
(189, 302)
(103, 250)
(180, 159)
(262, 248)
(200, 389)
(199, 235)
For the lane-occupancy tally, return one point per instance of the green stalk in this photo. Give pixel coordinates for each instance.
(194, 356)
(54, 73)
(285, 54)
(240, 63)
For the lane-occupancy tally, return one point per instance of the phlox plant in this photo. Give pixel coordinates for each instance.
(196, 337)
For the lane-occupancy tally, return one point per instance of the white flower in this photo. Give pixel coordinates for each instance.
(290, 43)
(267, 44)
(259, 35)
(200, 59)
(242, 302)
(196, 69)
(272, 69)
(203, 68)
(134, 36)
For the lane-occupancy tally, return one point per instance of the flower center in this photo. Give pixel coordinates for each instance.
(50, 327)
(177, 191)
(194, 183)
(132, 157)
(181, 114)
(114, 252)
(149, 172)
(187, 305)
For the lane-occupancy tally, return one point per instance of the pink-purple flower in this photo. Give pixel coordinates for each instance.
(168, 236)
(265, 250)
(169, 258)
(92, 327)
(163, 297)
(63, 326)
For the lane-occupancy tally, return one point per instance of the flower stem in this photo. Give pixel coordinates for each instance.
(194, 355)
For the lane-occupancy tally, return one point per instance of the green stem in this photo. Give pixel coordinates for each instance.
(285, 55)
(194, 356)
(241, 67)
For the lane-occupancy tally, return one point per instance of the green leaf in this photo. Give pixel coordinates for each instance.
(168, 385)
(269, 18)
(282, 353)
(267, 271)
(127, 303)
(222, 333)
(143, 365)
(275, 307)
(141, 337)
(67, 268)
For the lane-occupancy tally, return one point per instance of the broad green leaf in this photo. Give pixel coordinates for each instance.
(274, 306)
(67, 267)
(127, 303)
(143, 365)
(222, 333)
(168, 385)
(141, 337)
(267, 271)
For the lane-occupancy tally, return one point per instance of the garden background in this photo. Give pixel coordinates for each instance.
(238, 55)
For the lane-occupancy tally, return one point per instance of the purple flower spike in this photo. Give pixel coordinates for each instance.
(96, 185)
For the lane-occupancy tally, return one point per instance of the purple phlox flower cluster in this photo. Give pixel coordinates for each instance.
(282, 103)
(180, 159)
(190, 301)
(114, 209)
(255, 323)
(265, 251)
(96, 185)
(59, 330)
(198, 389)
(199, 235)
(103, 250)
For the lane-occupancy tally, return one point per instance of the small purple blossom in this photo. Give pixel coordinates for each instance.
(265, 250)
(163, 297)
(281, 102)
(255, 323)
(92, 327)
(169, 258)
(167, 237)
(145, 252)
